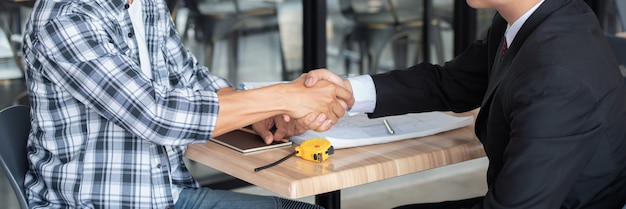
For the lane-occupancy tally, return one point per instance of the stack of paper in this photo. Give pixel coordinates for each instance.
(359, 130)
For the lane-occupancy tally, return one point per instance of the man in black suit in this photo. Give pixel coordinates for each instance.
(552, 105)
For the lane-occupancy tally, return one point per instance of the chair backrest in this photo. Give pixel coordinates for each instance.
(12, 69)
(14, 130)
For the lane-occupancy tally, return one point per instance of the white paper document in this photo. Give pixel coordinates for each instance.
(359, 130)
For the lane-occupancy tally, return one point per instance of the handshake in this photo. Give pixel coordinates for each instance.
(314, 101)
(323, 100)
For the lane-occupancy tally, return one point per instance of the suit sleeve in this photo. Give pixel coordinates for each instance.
(459, 85)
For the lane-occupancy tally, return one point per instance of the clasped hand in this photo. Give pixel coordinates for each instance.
(314, 106)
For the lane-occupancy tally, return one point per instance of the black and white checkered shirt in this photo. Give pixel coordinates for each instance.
(104, 134)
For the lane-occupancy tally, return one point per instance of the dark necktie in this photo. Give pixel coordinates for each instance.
(504, 47)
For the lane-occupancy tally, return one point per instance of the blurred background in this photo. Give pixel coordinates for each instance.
(265, 40)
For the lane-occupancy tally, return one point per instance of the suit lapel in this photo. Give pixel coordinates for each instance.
(500, 65)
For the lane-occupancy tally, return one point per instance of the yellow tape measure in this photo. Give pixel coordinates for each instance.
(315, 149)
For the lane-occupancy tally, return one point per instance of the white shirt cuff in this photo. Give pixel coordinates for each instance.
(364, 93)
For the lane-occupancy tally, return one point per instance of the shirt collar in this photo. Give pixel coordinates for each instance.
(512, 29)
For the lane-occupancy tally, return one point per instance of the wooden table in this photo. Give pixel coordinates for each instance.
(296, 177)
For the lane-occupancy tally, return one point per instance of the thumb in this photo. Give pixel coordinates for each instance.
(311, 80)
(314, 76)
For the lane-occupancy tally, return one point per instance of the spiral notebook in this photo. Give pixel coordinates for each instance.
(246, 141)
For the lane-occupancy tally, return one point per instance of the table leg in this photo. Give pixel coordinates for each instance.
(329, 200)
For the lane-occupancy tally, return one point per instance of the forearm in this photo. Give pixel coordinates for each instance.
(241, 108)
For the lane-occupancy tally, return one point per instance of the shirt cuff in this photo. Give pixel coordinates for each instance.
(364, 93)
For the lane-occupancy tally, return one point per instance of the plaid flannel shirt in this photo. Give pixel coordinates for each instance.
(103, 134)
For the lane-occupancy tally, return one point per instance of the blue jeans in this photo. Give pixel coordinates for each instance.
(222, 199)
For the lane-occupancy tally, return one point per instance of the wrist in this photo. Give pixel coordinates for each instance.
(281, 93)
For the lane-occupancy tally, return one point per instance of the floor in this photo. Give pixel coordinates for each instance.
(261, 60)
(458, 181)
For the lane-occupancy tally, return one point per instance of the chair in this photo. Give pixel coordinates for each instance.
(10, 67)
(395, 23)
(618, 45)
(14, 130)
(22, 99)
(172, 5)
(216, 20)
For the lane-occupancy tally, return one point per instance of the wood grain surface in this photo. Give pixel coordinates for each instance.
(296, 177)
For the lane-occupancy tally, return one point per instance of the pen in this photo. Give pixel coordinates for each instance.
(389, 129)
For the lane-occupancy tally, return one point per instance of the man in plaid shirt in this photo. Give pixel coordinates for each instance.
(116, 98)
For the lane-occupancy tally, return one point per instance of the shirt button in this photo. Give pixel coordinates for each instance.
(159, 165)
(126, 6)
(130, 35)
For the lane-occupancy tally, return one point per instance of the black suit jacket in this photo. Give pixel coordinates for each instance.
(553, 109)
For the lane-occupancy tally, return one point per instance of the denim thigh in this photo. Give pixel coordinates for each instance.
(223, 199)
